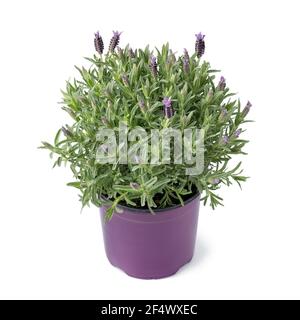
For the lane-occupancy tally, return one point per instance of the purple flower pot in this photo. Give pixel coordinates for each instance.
(151, 246)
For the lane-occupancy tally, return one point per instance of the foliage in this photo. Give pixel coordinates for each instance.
(128, 85)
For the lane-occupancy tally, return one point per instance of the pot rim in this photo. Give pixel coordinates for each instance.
(155, 210)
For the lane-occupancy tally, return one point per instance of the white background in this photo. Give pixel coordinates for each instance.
(247, 249)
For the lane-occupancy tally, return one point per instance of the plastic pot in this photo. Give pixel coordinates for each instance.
(151, 246)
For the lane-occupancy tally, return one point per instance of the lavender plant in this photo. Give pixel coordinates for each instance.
(153, 90)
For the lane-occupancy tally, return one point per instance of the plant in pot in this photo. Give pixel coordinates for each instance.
(151, 131)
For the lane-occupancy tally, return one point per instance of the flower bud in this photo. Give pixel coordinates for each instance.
(171, 59)
(98, 42)
(131, 53)
(168, 109)
(114, 41)
(210, 93)
(200, 44)
(224, 139)
(66, 132)
(186, 61)
(153, 66)
(223, 114)
(125, 79)
(237, 133)
(222, 84)
(120, 52)
(246, 109)
(142, 104)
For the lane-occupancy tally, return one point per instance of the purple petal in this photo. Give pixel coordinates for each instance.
(199, 36)
(248, 105)
(167, 102)
(225, 139)
(237, 133)
(117, 33)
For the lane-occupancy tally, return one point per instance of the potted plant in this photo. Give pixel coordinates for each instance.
(151, 131)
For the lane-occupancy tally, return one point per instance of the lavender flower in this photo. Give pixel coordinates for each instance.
(186, 54)
(142, 104)
(222, 84)
(210, 93)
(225, 139)
(153, 66)
(186, 61)
(125, 79)
(186, 66)
(237, 133)
(134, 185)
(200, 44)
(171, 58)
(120, 51)
(98, 42)
(168, 109)
(223, 114)
(246, 109)
(114, 41)
(66, 131)
(131, 53)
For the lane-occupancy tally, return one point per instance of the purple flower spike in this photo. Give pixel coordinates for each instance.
(120, 51)
(222, 84)
(171, 58)
(66, 131)
(237, 133)
(114, 41)
(200, 44)
(210, 93)
(125, 79)
(223, 114)
(98, 42)
(199, 36)
(247, 108)
(131, 53)
(142, 104)
(186, 66)
(134, 185)
(225, 139)
(186, 54)
(167, 102)
(186, 61)
(153, 66)
(168, 110)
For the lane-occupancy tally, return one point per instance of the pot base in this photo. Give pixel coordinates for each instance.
(151, 276)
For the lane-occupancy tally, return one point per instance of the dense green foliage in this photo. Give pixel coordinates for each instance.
(121, 86)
